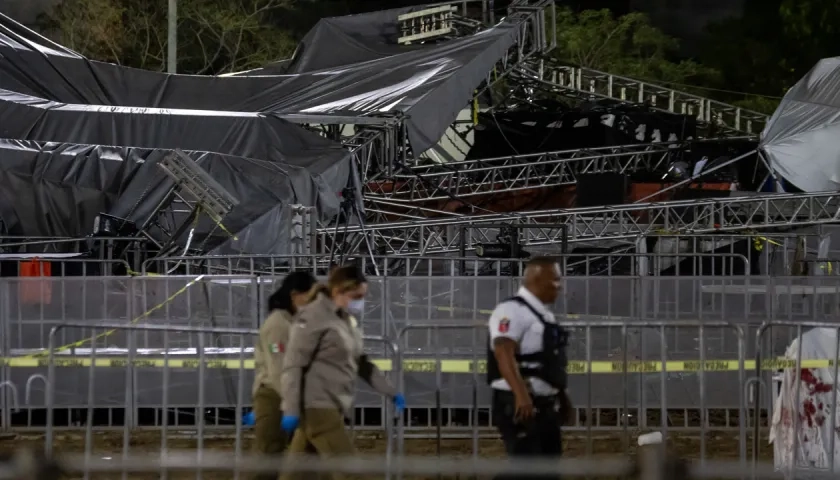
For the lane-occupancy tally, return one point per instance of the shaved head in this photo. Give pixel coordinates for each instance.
(542, 278)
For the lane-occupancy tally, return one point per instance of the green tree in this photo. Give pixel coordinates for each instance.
(812, 21)
(214, 36)
(811, 26)
(771, 46)
(627, 45)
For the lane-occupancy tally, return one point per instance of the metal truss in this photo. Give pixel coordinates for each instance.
(584, 83)
(471, 178)
(392, 147)
(750, 213)
(374, 149)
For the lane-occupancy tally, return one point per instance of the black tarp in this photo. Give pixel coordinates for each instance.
(58, 189)
(430, 85)
(339, 41)
(548, 126)
(254, 136)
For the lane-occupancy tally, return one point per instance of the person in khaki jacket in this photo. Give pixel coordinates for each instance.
(270, 439)
(324, 357)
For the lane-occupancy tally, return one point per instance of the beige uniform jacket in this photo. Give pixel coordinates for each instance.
(323, 359)
(270, 350)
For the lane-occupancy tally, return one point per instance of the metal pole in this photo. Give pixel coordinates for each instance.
(172, 38)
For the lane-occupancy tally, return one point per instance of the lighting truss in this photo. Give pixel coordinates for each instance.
(425, 24)
(194, 182)
(586, 83)
(193, 192)
(471, 178)
(749, 213)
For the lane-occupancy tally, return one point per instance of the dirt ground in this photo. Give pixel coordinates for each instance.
(719, 446)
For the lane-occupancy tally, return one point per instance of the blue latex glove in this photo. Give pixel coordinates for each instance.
(399, 403)
(289, 423)
(249, 419)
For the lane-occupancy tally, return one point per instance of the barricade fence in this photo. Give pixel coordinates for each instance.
(766, 254)
(238, 302)
(586, 264)
(174, 353)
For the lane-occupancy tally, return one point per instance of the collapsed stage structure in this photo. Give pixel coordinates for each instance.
(359, 145)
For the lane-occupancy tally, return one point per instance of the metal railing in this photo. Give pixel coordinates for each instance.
(775, 255)
(711, 376)
(600, 263)
(681, 364)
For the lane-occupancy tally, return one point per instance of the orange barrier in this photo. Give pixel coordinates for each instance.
(33, 292)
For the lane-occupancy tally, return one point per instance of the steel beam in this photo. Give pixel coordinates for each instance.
(749, 213)
(490, 176)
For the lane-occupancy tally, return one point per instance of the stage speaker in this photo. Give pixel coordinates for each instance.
(601, 189)
(105, 225)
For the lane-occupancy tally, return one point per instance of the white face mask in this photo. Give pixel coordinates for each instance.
(356, 307)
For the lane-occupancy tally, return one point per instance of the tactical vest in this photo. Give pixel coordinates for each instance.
(549, 364)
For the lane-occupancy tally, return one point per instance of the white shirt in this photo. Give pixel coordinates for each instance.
(517, 322)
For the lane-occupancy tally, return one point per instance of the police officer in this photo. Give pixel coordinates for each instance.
(526, 365)
(270, 439)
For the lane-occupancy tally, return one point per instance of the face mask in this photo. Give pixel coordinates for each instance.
(356, 306)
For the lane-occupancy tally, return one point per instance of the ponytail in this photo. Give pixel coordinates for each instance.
(313, 292)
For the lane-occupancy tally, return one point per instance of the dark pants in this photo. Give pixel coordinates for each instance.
(540, 437)
(321, 431)
(269, 438)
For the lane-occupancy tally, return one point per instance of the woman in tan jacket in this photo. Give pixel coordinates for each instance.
(324, 358)
(270, 439)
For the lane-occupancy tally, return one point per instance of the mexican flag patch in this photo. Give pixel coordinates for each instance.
(276, 348)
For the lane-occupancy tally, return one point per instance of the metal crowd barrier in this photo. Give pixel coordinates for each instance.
(131, 364)
(678, 375)
(135, 366)
(634, 375)
(704, 370)
(442, 265)
(239, 302)
(777, 252)
(814, 411)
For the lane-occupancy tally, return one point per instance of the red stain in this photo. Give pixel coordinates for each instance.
(809, 410)
(814, 386)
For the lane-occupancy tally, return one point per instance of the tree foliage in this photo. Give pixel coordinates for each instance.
(810, 20)
(770, 47)
(627, 45)
(214, 36)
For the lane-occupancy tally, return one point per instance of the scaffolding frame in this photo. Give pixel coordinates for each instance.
(756, 213)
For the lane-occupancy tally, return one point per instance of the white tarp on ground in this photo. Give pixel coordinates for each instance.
(803, 439)
(802, 138)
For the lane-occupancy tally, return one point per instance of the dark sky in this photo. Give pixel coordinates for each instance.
(677, 17)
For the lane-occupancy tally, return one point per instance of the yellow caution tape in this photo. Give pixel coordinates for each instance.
(107, 333)
(426, 365)
(566, 316)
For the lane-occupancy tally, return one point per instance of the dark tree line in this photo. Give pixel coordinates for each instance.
(762, 52)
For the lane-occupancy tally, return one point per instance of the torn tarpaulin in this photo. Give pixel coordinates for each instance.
(326, 164)
(58, 189)
(429, 85)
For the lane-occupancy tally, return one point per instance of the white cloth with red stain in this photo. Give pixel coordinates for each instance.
(801, 429)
